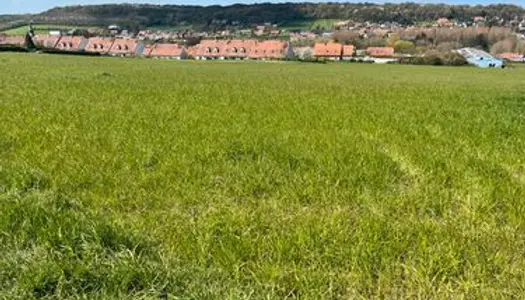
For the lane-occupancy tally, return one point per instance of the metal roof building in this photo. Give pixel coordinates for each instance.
(481, 58)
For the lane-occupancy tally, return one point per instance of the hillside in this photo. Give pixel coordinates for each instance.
(206, 17)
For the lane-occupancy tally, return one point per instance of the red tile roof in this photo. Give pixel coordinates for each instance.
(380, 51)
(269, 49)
(242, 49)
(238, 48)
(511, 56)
(328, 50)
(124, 46)
(46, 41)
(69, 43)
(99, 45)
(348, 50)
(12, 40)
(212, 49)
(166, 50)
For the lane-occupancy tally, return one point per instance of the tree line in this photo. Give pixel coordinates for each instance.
(215, 17)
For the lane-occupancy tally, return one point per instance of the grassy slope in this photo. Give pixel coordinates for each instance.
(138, 178)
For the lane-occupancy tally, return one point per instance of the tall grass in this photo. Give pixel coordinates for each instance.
(191, 180)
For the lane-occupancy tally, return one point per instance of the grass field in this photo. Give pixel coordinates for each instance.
(130, 178)
(42, 29)
(324, 24)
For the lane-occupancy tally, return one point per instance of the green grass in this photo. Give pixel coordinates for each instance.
(130, 178)
(42, 29)
(324, 24)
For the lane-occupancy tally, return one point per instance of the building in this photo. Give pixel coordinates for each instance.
(211, 49)
(71, 43)
(46, 41)
(480, 58)
(348, 52)
(15, 41)
(126, 47)
(243, 49)
(514, 57)
(99, 45)
(168, 51)
(332, 51)
(270, 50)
(380, 51)
(238, 49)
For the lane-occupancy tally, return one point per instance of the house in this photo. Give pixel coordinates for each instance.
(169, 51)
(211, 49)
(480, 58)
(192, 51)
(238, 49)
(348, 52)
(17, 41)
(46, 41)
(99, 45)
(71, 43)
(332, 51)
(126, 47)
(515, 57)
(380, 51)
(271, 49)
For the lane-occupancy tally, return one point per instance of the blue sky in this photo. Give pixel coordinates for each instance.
(32, 6)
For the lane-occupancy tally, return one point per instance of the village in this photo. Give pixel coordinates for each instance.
(346, 41)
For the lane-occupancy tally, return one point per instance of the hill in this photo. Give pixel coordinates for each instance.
(206, 17)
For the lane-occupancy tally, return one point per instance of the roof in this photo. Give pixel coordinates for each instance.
(124, 46)
(166, 50)
(380, 51)
(12, 40)
(328, 49)
(100, 45)
(511, 56)
(238, 48)
(46, 41)
(211, 48)
(269, 49)
(69, 43)
(348, 50)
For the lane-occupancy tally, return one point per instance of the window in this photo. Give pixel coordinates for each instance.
(95, 46)
(234, 50)
(126, 47)
(70, 45)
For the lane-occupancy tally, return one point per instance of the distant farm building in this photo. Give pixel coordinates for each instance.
(332, 51)
(380, 51)
(480, 58)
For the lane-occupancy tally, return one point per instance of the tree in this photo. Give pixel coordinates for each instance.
(404, 47)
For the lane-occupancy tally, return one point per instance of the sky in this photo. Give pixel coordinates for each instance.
(35, 6)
